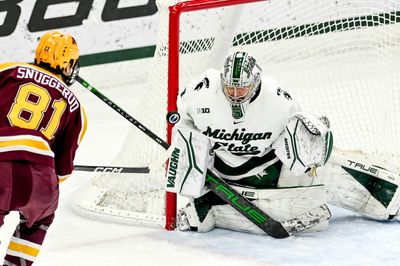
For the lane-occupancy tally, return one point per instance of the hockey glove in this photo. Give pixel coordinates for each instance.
(305, 143)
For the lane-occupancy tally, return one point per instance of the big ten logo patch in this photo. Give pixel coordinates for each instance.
(203, 110)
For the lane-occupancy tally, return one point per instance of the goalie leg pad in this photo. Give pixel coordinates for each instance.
(280, 204)
(355, 184)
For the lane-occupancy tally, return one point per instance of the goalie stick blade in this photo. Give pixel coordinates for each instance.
(307, 220)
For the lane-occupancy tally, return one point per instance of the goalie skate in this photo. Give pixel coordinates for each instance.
(182, 222)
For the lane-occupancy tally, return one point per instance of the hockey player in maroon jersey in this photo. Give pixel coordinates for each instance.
(41, 126)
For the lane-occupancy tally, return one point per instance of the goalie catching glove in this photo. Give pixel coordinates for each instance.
(305, 143)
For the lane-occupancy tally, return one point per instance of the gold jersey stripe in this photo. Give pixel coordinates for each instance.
(84, 125)
(40, 145)
(63, 178)
(23, 249)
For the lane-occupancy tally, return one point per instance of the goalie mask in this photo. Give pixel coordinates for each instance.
(59, 53)
(240, 79)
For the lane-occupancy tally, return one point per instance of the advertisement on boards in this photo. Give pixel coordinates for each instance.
(99, 26)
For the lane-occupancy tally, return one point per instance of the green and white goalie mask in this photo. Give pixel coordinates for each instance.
(240, 79)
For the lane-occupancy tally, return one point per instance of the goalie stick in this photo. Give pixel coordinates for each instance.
(218, 186)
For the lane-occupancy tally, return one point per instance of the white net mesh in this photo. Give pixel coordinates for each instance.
(339, 58)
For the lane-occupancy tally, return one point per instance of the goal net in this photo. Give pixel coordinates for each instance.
(338, 58)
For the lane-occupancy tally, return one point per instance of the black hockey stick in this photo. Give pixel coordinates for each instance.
(221, 188)
(122, 112)
(111, 169)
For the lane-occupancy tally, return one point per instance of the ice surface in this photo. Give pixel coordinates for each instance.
(73, 240)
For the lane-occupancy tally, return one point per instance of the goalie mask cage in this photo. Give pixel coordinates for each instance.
(338, 58)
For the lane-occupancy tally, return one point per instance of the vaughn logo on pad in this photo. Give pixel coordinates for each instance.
(172, 167)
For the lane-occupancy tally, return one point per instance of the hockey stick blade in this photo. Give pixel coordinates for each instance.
(307, 220)
(270, 226)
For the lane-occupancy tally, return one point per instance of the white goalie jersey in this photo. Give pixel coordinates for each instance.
(242, 146)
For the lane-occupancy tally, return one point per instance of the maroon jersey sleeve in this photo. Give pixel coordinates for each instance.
(67, 142)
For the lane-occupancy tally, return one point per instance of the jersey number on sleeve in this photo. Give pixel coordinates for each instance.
(29, 107)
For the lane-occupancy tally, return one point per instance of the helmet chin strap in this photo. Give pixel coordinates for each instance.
(67, 71)
(70, 73)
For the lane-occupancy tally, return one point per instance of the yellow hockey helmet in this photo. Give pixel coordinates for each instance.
(60, 52)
